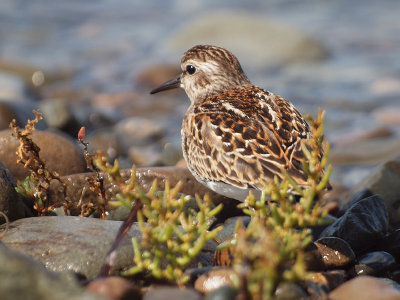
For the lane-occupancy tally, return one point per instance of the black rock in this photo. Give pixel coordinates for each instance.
(363, 224)
(375, 264)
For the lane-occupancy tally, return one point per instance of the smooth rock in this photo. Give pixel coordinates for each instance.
(59, 153)
(289, 291)
(104, 140)
(385, 181)
(363, 225)
(222, 293)
(331, 279)
(115, 288)
(272, 43)
(375, 264)
(335, 252)
(149, 155)
(162, 293)
(11, 203)
(366, 288)
(78, 188)
(24, 278)
(79, 244)
(215, 279)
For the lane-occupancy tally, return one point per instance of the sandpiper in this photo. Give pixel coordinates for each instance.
(235, 135)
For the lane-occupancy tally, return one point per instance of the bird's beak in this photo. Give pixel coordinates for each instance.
(170, 84)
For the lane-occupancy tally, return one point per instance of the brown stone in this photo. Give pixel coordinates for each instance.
(214, 279)
(335, 252)
(115, 288)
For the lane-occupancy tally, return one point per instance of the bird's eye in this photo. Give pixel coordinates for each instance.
(190, 69)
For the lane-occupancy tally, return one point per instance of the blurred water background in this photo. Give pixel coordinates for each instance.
(94, 62)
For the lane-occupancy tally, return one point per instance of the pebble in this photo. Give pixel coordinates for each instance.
(391, 244)
(11, 203)
(7, 114)
(162, 293)
(366, 288)
(215, 279)
(289, 291)
(222, 293)
(388, 115)
(362, 225)
(11, 87)
(375, 263)
(59, 153)
(155, 75)
(335, 252)
(114, 288)
(24, 278)
(331, 279)
(384, 180)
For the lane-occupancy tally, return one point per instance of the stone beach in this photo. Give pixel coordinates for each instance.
(95, 65)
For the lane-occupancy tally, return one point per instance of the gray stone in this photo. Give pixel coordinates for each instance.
(272, 43)
(24, 278)
(78, 244)
(162, 293)
(289, 291)
(11, 203)
(363, 224)
(385, 181)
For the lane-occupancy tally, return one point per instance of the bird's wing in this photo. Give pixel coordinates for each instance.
(243, 145)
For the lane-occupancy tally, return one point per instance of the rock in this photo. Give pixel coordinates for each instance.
(149, 155)
(376, 263)
(335, 253)
(369, 152)
(137, 131)
(289, 291)
(366, 288)
(6, 115)
(57, 114)
(162, 293)
(59, 153)
(215, 279)
(391, 244)
(385, 180)
(104, 140)
(78, 244)
(222, 293)
(363, 224)
(155, 75)
(11, 203)
(387, 115)
(11, 87)
(272, 43)
(331, 279)
(115, 288)
(77, 185)
(24, 278)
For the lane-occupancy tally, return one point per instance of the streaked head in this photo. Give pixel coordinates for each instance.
(207, 70)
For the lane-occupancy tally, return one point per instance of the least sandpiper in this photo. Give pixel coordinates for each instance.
(235, 135)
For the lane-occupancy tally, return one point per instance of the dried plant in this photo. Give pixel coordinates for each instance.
(36, 186)
(271, 249)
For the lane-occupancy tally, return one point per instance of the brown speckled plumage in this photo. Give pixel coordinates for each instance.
(234, 134)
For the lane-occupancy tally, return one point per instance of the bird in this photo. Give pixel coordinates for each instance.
(235, 135)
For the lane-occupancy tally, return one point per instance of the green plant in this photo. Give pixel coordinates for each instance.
(171, 234)
(271, 249)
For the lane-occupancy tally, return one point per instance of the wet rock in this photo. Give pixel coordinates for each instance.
(115, 288)
(375, 263)
(289, 291)
(222, 293)
(24, 278)
(50, 240)
(316, 290)
(335, 252)
(78, 188)
(363, 224)
(215, 279)
(391, 244)
(330, 279)
(59, 153)
(385, 180)
(366, 288)
(162, 293)
(10, 202)
(272, 43)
